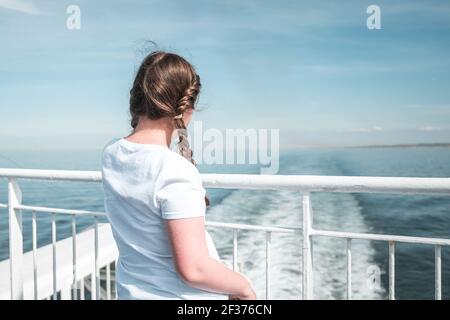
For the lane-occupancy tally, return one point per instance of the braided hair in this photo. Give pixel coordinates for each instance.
(166, 85)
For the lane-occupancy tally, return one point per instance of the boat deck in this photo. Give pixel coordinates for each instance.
(85, 265)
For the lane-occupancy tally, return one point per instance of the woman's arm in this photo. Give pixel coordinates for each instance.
(194, 264)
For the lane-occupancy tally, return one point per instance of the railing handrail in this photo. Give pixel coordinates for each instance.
(308, 183)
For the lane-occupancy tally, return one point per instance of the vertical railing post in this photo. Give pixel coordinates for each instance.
(55, 279)
(15, 240)
(74, 258)
(82, 288)
(116, 262)
(391, 270)
(235, 250)
(108, 281)
(93, 285)
(268, 265)
(34, 244)
(349, 269)
(96, 263)
(438, 273)
(307, 248)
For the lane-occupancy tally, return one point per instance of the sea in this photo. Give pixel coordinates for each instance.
(412, 215)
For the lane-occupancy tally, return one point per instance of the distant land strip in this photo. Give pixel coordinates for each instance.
(406, 145)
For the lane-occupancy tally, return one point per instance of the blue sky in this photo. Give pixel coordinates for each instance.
(310, 68)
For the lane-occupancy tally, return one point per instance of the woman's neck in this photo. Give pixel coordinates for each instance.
(150, 131)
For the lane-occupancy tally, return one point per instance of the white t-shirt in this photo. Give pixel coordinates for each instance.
(143, 185)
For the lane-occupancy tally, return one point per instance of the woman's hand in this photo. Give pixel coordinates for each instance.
(249, 294)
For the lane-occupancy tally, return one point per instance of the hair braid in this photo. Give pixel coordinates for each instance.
(185, 103)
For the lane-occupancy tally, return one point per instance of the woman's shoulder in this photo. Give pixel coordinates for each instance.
(177, 169)
(107, 149)
(176, 163)
(110, 143)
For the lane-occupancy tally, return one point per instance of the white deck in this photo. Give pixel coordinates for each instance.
(64, 265)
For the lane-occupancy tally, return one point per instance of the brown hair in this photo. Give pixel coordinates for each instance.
(166, 85)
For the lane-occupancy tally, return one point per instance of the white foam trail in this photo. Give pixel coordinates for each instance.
(283, 208)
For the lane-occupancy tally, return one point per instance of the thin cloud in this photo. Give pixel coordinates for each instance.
(429, 106)
(441, 110)
(430, 128)
(19, 5)
(371, 129)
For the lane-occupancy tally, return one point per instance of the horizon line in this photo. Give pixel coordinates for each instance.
(286, 147)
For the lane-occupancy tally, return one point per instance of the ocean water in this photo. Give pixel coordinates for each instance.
(376, 213)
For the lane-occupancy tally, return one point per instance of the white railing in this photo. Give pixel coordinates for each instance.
(304, 184)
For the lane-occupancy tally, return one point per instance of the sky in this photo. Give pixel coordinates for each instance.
(311, 69)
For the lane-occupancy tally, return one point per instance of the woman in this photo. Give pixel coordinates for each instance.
(154, 197)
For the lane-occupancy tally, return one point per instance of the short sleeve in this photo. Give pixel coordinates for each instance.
(181, 194)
